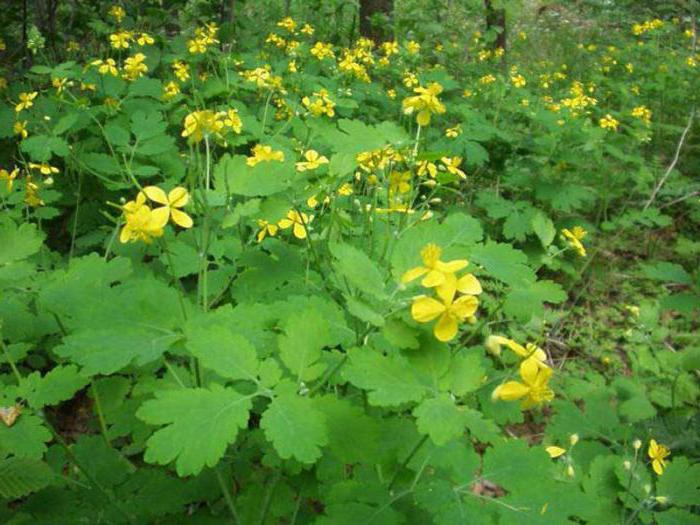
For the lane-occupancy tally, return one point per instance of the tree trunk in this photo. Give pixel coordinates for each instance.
(368, 8)
(496, 19)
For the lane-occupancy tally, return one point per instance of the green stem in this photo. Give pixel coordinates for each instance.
(100, 414)
(227, 495)
(11, 361)
(405, 462)
(109, 498)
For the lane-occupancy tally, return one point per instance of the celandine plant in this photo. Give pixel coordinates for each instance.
(306, 283)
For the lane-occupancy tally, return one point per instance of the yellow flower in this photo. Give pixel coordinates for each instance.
(26, 101)
(134, 66)
(658, 454)
(487, 79)
(20, 128)
(574, 237)
(181, 70)
(145, 39)
(9, 177)
(264, 153)
(452, 166)
(399, 182)
(410, 79)
(391, 93)
(494, 342)
(425, 103)
(72, 46)
(307, 30)
(442, 274)
(643, 113)
(105, 67)
(140, 222)
(177, 198)
(608, 122)
(453, 132)
(120, 40)
(534, 388)
(287, 23)
(555, 452)
(413, 47)
(313, 161)
(170, 90)
(345, 190)
(200, 123)
(390, 48)
(427, 167)
(447, 310)
(117, 12)
(266, 229)
(196, 46)
(233, 120)
(44, 168)
(321, 50)
(320, 105)
(299, 221)
(59, 84)
(518, 80)
(31, 193)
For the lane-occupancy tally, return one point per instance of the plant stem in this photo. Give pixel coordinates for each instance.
(11, 361)
(100, 414)
(227, 495)
(413, 452)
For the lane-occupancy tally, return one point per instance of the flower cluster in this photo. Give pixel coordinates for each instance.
(264, 153)
(425, 103)
(199, 124)
(298, 221)
(447, 307)
(203, 38)
(143, 223)
(320, 104)
(533, 387)
(573, 237)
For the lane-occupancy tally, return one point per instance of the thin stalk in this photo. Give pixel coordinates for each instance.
(100, 414)
(227, 495)
(405, 462)
(11, 362)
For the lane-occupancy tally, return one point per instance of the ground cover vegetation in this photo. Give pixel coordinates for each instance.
(335, 262)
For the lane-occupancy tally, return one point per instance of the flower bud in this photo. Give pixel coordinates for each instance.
(637, 444)
(573, 439)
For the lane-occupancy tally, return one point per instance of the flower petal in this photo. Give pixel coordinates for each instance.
(156, 194)
(424, 309)
(181, 218)
(465, 306)
(159, 217)
(555, 452)
(453, 266)
(178, 197)
(446, 328)
(657, 466)
(469, 284)
(511, 391)
(529, 370)
(299, 231)
(434, 278)
(412, 274)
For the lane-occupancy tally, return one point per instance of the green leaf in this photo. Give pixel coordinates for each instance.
(353, 436)
(200, 424)
(526, 300)
(440, 419)
(680, 482)
(400, 334)
(232, 174)
(20, 477)
(305, 335)
(295, 427)
(466, 373)
(543, 228)
(363, 311)
(221, 350)
(667, 272)
(358, 270)
(504, 262)
(390, 380)
(25, 438)
(60, 384)
(42, 147)
(18, 242)
(484, 430)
